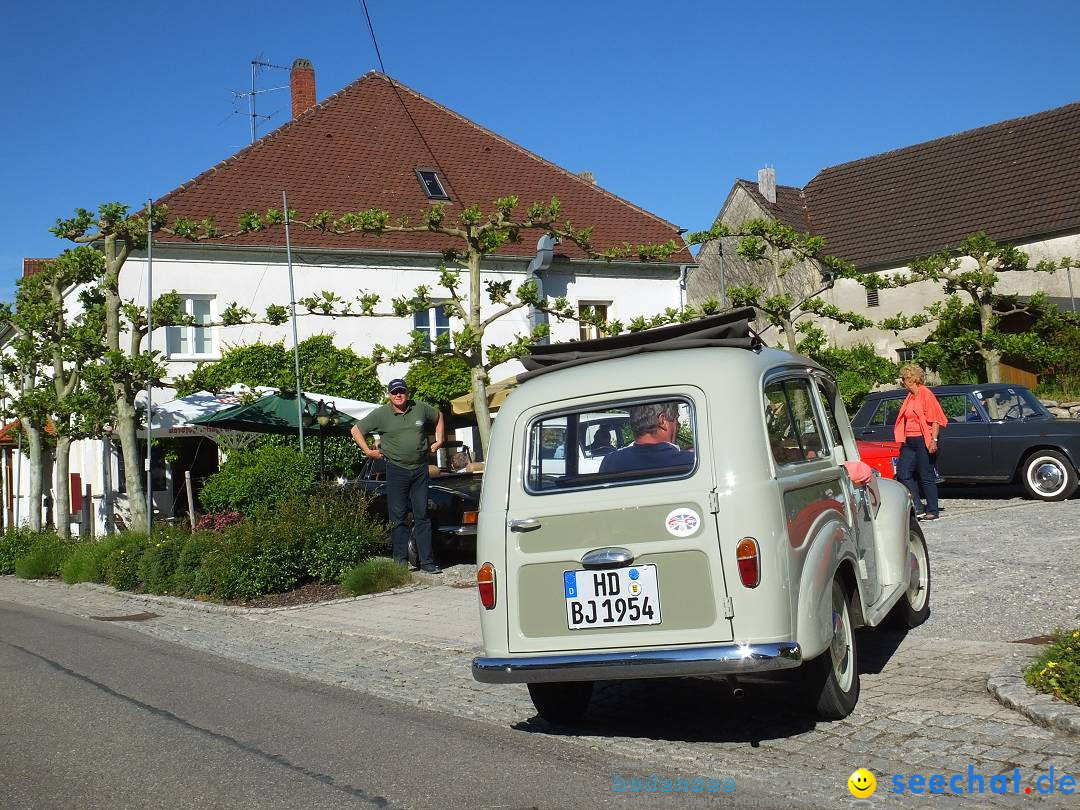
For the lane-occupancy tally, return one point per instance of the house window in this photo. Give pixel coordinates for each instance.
(196, 340)
(432, 322)
(905, 355)
(588, 331)
(872, 298)
(433, 187)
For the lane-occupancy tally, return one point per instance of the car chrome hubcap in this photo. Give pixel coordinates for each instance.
(1048, 477)
(841, 642)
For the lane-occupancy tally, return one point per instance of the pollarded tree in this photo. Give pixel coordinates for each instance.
(973, 309)
(115, 234)
(475, 234)
(785, 273)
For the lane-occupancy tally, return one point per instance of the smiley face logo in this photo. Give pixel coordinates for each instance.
(862, 784)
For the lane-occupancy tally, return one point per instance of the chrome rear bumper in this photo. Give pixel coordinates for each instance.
(725, 659)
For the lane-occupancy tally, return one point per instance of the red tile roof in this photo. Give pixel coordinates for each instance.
(31, 266)
(359, 149)
(789, 208)
(1016, 180)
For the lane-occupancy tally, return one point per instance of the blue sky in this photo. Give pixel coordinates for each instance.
(666, 103)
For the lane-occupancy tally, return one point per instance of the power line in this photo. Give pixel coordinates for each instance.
(401, 101)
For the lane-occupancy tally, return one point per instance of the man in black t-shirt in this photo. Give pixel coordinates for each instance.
(655, 427)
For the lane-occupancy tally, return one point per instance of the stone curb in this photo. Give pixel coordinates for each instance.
(211, 607)
(1008, 687)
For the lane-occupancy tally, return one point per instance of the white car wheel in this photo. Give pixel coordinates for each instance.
(1048, 476)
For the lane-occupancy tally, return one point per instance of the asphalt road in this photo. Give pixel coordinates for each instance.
(94, 715)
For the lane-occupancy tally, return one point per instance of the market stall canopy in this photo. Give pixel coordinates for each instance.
(277, 413)
(496, 396)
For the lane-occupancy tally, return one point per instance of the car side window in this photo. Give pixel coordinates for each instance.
(826, 394)
(887, 411)
(791, 422)
(622, 443)
(959, 408)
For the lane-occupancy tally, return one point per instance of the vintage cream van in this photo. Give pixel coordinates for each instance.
(736, 534)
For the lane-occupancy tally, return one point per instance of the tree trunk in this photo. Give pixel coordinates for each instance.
(788, 328)
(34, 448)
(476, 355)
(992, 359)
(63, 486)
(127, 433)
(480, 406)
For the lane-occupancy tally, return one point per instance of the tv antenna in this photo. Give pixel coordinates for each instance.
(257, 65)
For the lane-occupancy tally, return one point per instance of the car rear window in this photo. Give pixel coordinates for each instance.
(595, 446)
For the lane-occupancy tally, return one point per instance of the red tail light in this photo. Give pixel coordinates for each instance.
(746, 554)
(485, 583)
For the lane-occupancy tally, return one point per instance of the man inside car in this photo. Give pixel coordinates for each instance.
(655, 427)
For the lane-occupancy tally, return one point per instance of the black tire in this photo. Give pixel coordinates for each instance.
(833, 677)
(914, 606)
(561, 704)
(1047, 475)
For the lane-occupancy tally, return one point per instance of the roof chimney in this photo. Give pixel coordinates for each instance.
(588, 177)
(302, 83)
(766, 182)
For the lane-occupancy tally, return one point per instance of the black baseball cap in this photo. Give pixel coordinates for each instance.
(396, 385)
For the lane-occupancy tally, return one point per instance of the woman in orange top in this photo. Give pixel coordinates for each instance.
(917, 426)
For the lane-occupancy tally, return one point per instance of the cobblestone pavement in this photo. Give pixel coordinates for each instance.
(924, 706)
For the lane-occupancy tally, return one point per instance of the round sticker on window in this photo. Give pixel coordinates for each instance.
(682, 522)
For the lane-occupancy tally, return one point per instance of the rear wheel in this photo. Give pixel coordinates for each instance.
(833, 677)
(914, 606)
(561, 704)
(1048, 476)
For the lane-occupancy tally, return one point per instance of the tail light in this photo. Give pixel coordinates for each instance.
(485, 583)
(746, 554)
(469, 518)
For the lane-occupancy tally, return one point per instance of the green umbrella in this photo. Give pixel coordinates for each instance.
(277, 413)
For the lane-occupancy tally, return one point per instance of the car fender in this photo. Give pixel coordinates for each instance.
(891, 532)
(833, 546)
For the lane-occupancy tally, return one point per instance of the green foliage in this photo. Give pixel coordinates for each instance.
(858, 370)
(253, 481)
(158, 562)
(338, 532)
(14, 543)
(325, 368)
(120, 567)
(439, 378)
(45, 557)
(1057, 671)
(86, 563)
(247, 562)
(194, 549)
(375, 575)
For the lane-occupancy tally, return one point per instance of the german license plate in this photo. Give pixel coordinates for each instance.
(614, 598)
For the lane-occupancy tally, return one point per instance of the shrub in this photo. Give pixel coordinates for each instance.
(375, 575)
(1057, 671)
(253, 482)
(85, 562)
(339, 532)
(14, 543)
(120, 567)
(251, 560)
(44, 559)
(192, 552)
(158, 562)
(218, 521)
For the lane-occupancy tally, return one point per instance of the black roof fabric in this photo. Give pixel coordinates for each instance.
(729, 329)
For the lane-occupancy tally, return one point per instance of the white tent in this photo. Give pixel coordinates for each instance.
(173, 418)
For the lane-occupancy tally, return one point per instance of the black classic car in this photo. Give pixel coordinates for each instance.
(453, 501)
(997, 433)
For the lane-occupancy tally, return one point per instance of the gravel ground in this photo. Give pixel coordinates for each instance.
(1004, 568)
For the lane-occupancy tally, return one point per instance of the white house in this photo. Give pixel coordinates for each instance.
(1017, 180)
(375, 144)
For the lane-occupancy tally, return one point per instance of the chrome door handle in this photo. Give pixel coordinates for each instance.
(526, 525)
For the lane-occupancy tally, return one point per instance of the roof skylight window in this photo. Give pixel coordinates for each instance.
(433, 187)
